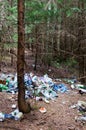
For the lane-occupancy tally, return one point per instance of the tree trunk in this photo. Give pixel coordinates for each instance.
(80, 39)
(36, 46)
(22, 104)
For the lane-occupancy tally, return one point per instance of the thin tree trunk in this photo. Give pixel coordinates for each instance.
(36, 53)
(23, 106)
(80, 38)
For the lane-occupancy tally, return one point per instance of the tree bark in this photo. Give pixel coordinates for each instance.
(80, 38)
(22, 104)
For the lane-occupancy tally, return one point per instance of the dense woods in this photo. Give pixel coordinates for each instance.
(54, 30)
(43, 64)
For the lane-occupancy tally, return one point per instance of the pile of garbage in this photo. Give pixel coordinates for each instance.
(42, 88)
(81, 106)
(33, 84)
(16, 115)
(76, 85)
(8, 82)
(80, 87)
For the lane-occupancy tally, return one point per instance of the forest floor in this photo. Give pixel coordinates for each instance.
(59, 113)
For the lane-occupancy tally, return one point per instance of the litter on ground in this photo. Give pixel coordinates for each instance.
(43, 88)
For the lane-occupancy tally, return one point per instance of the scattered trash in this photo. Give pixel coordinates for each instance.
(43, 88)
(73, 106)
(44, 85)
(16, 115)
(82, 103)
(58, 80)
(39, 99)
(43, 110)
(72, 80)
(72, 86)
(2, 82)
(81, 118)
(49, 70)
(14, 106)
(4, 116)
(82, 91)
(81, 106)
(45, 100)
(76, 85)
(59, 88)
(0, 89)
(8, 116)
(80, 87)
(3, 87)
(19, 116)
(1, 116)
(49, 93)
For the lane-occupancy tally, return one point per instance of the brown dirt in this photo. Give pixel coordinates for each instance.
(59, 115)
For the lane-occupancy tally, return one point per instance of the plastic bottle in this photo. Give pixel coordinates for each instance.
(27, 80)
(82, 118)
(19, 116)
(3, 87)
(15, 112)
(8, 116)
(2, 117)
(34, 78)
(0, 89)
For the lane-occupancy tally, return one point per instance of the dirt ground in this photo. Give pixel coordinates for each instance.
(59, 114)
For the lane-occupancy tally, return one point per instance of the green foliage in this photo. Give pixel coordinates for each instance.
(56, 64)
(60, 1)
(70, 62)
(15, 37)
(34, 11)
(28, 29)
(8, 17)
(8, 45)
(37, 11)
(71, 11)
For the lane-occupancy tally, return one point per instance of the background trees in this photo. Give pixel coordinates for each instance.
(54, 29)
